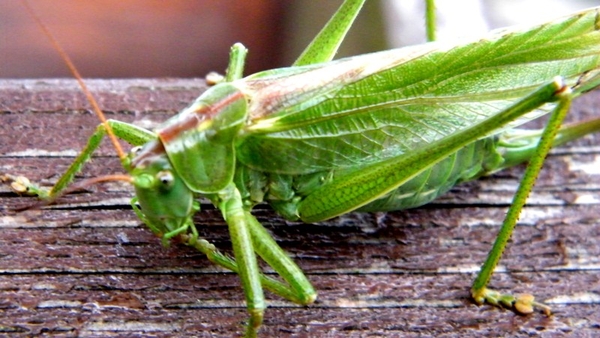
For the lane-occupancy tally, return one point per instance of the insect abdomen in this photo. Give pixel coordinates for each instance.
(469, 163)
(285, 192)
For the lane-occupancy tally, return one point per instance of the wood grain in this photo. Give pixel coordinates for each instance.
(87, 267)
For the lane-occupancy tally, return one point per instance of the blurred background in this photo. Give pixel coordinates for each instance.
(189, 38)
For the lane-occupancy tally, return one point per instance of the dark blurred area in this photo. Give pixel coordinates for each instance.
(176, 38)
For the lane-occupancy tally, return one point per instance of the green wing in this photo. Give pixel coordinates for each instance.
(373, 107)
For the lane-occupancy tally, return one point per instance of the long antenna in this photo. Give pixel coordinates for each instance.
(84, 88)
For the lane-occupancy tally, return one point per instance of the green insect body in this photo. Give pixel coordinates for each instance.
(378, 132)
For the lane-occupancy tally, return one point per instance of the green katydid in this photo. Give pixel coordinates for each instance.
(383, 131)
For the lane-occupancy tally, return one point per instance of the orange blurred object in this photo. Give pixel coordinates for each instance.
(138, 38)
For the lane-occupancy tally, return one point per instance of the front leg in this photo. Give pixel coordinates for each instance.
(133, 135)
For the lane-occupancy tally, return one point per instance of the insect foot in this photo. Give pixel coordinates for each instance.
(523, 304)
(23, 186)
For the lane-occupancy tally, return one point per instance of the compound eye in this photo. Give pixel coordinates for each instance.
(135, 150)
(165, 177)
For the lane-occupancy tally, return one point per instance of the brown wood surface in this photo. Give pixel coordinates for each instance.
(87, 267)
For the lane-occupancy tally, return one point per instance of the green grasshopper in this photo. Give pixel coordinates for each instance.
(378, 132)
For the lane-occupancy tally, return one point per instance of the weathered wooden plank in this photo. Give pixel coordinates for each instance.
(86, 267)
